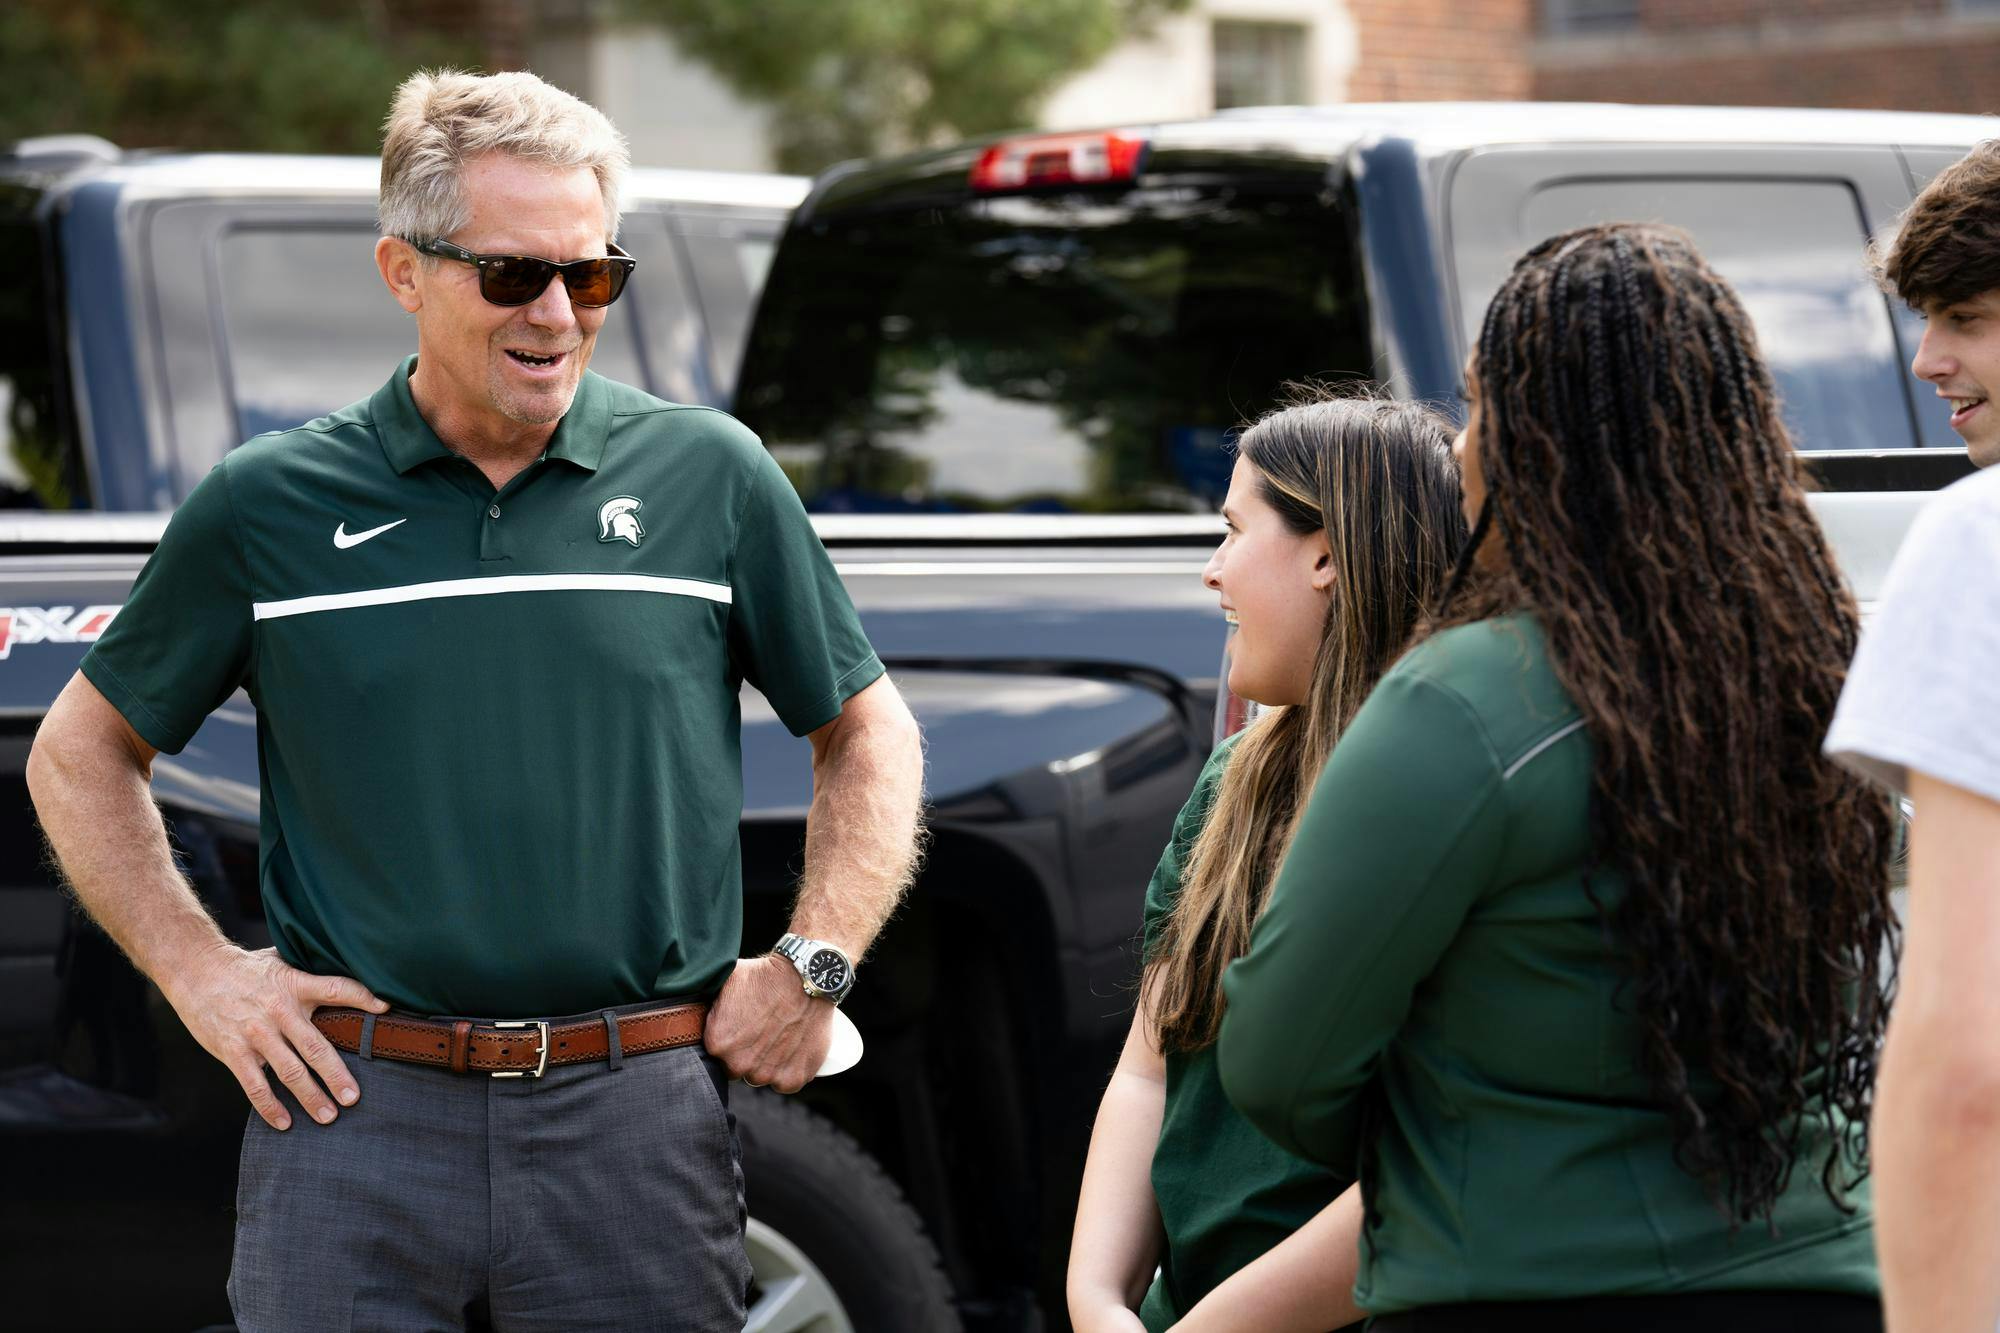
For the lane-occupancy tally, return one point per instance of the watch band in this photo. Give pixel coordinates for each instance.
(799, 951)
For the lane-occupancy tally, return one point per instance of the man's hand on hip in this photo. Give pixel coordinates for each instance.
(765, 1027)
(250, 1010)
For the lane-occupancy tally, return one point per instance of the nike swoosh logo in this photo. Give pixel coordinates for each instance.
(343, 539)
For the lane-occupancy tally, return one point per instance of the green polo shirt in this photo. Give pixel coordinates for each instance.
(499, 735)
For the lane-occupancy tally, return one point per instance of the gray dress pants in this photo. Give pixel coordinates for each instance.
(590, 1198)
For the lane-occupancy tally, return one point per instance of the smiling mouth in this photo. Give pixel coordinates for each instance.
(539, 362)
(1962, 408)
(1229, 617)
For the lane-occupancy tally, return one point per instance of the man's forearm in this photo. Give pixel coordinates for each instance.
(862, 835)
(95, 804)
(90, 777)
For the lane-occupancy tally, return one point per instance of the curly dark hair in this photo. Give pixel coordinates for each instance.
(1946, 246)
(1651, 515)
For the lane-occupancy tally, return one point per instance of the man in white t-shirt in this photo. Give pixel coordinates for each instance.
(1921, 713)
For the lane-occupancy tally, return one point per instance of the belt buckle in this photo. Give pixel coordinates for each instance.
(542, 1064)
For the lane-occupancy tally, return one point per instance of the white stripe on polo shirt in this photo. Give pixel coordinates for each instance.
(486, 587)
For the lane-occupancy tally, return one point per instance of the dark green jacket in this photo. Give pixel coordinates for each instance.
(1429, 949)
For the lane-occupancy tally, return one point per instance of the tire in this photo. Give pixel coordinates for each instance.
(834, 1247)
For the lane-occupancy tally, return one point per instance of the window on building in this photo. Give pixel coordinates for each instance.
(1259, 64)
(1576, 18)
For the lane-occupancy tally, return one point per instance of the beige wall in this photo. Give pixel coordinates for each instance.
(674, 112)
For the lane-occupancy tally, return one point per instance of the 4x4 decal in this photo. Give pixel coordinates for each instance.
(51, 624)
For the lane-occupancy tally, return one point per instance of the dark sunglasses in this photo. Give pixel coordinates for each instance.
(519, 279)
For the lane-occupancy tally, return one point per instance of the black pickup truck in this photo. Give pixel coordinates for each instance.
(1003, 376)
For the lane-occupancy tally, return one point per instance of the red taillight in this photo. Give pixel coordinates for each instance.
(1058, 159)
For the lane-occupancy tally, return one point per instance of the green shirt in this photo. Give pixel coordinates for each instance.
(498, 731)
(1429, 937)
(1226, 1193)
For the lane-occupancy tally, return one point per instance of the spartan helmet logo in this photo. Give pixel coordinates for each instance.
(617, 521)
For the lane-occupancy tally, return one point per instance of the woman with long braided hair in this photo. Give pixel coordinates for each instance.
(1577, 953)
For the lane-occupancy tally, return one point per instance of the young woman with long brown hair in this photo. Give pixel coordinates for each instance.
(1344, 521)
(1577, 953)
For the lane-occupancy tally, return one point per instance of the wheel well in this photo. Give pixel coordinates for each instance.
(958, 1001)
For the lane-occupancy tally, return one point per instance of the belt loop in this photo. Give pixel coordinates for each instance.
(367, 1036)
(614, 1052)
(461, 1042)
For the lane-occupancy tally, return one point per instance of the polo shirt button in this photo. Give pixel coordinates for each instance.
(494, 512)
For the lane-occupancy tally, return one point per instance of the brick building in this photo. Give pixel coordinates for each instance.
(1912, 55)
(1442, 50)
(1915, 55)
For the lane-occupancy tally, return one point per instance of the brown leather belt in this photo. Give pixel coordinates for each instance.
(512, 1050)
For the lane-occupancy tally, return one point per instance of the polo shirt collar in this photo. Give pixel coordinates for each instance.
(581, 433)
(409, 441)
(406, 437)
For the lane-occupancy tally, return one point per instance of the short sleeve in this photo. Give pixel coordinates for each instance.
(793, 633)
(1165, 886)
(181, 644)
(1923, 689)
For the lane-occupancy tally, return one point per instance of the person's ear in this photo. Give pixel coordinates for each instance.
(1322, 571)
(398, 260)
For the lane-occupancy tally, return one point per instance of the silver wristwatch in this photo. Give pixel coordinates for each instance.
(824, 969)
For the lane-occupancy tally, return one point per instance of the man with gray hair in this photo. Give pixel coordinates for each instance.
(494, 619)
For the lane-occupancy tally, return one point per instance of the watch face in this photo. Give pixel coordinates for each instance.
(828, 971)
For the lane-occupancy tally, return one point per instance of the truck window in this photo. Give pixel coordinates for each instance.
(1793, 249)
(729, 258)
(40, 465)
(309, 327)
(1052, 353)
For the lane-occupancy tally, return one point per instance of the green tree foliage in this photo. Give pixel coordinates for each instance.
(848, 78)
(276, 75)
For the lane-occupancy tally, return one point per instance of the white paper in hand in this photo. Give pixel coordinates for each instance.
(845, 1050)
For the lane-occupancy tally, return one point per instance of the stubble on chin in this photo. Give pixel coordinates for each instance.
(530, 409)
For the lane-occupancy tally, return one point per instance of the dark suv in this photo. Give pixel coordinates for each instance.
(1067, 323)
